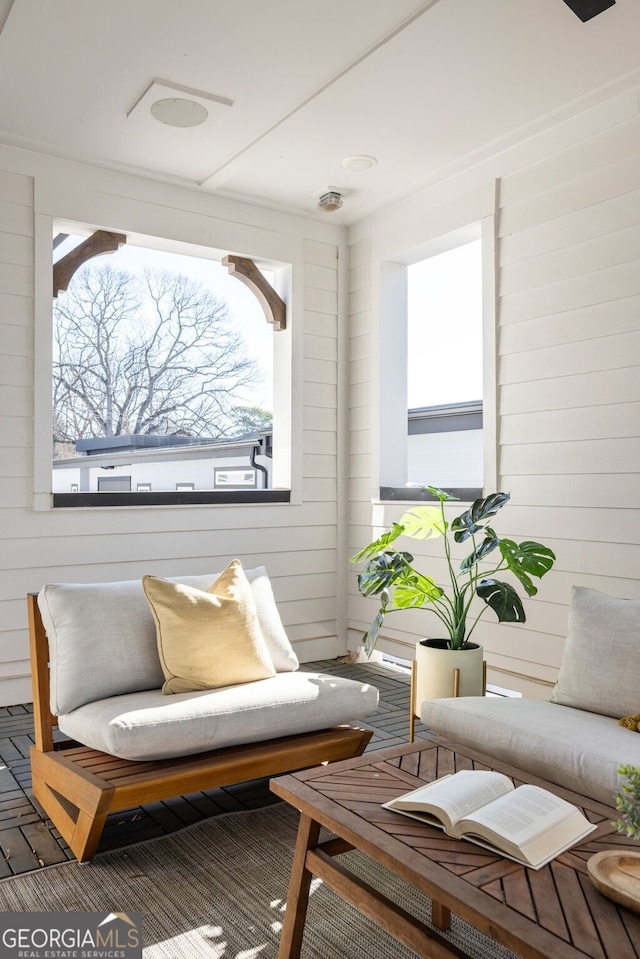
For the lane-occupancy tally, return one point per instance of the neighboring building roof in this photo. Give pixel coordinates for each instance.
(122, 450)
(447, 418)
(108, 444)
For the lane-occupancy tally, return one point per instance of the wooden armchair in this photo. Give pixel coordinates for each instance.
(78, 785)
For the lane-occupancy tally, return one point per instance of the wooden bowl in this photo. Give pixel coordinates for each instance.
(617, 876)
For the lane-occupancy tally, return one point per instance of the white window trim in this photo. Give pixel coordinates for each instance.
(392, 453)
(283, 253)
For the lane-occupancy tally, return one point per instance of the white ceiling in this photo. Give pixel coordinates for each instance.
(421, 86)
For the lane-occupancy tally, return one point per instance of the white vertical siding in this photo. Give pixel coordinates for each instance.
(314, 611)
(362, 421)
(16, 407)
(568, 297)
(569, 370)
(296, 542)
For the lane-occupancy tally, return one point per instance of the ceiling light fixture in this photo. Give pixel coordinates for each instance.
(359, 163)
(330, 201)
(179, 112)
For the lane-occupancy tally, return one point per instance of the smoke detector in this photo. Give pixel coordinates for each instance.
(329, 199)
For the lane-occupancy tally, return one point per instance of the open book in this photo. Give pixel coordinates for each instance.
(528, 824)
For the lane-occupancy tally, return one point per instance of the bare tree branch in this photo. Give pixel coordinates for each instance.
(157, 354)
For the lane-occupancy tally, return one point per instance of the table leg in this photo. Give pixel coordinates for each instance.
(440, 915)
(299, 886)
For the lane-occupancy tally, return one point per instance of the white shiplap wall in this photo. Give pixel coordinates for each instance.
(568, 368)
(568, 239)
(16, 412)
(297, 542)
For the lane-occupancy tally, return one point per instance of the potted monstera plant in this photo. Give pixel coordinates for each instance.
(389, 572)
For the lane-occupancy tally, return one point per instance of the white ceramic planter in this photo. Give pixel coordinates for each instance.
(435, 665)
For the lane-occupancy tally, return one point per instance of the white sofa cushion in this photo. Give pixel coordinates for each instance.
(600, 668)
(148, 725)
(102, 636)
(571, 747)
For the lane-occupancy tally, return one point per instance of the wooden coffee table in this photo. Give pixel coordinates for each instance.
(551, 912)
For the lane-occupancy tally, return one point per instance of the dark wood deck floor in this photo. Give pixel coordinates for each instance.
(29, 840)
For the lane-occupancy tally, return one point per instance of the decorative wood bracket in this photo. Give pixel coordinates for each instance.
(248, 273)
(99, 242)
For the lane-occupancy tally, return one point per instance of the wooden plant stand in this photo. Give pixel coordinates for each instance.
(455, 692)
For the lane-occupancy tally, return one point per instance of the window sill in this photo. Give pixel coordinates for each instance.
(411, 494)
(168, 498)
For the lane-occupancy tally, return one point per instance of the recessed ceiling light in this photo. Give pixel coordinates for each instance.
(359, 163)
(178, 112)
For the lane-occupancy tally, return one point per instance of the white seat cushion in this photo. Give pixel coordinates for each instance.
(148, 725)
(574, 748)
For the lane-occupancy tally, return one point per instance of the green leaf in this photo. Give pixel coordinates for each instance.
(487, 546)
(527, 559)
(382, 572)
(628, 802)
(469, 522)
(423, 522)
(415, 590)
(503, 600)
(379, 544)
(370, 638)
(440, 494)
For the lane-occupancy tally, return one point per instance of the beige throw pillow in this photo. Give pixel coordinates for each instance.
(208, 639)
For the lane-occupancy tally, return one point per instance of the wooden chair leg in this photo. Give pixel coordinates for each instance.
(77, 804)
(363, 743)
(82, 830)
(86, 835)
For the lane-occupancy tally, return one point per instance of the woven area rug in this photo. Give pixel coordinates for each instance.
(217, 890)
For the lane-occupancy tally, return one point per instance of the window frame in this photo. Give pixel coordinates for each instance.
(393, 336)
(173, 498)
(282, 255)
(235, 469)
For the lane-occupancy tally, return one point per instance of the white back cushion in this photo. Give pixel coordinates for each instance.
(600, 669)
(102, 637)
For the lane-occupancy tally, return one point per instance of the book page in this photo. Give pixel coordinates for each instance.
(520, 816)
(455, 796)
(544, 847)
(561, 836)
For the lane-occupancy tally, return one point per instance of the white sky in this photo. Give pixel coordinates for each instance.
(444, 362)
